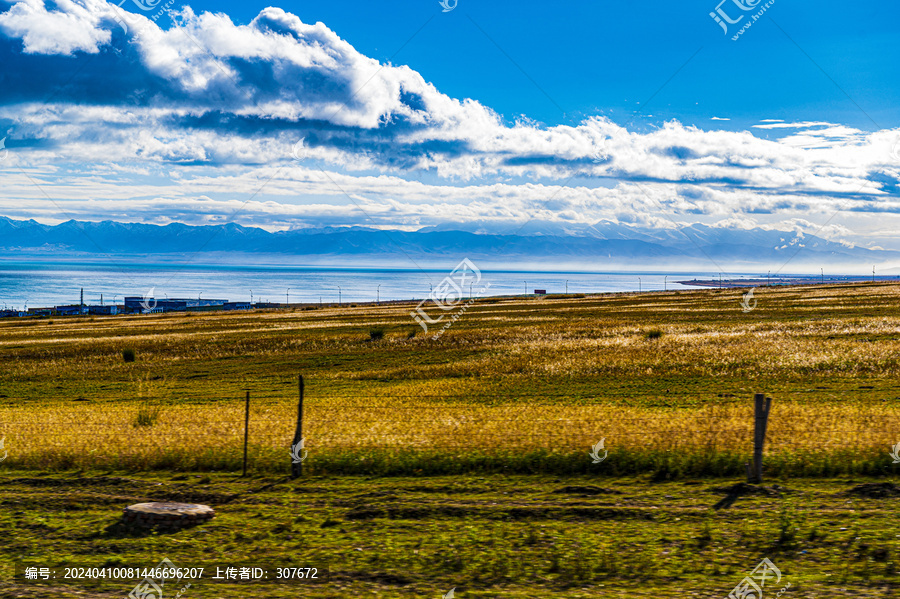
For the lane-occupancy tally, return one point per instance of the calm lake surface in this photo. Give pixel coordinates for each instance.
(47, 284)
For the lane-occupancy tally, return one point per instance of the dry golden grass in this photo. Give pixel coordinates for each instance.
(197, 437)
(511, 375)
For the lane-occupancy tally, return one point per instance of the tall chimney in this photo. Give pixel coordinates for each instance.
(82, 296)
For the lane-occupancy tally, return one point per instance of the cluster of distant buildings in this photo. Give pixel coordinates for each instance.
(137, 305)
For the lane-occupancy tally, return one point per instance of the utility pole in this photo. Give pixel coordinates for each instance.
(339, 295)
(768, 274)
(378, 294)
(287, 296)
(666, 283)
(639, 285)
(526, 288)
(823, 276)
(567, 286)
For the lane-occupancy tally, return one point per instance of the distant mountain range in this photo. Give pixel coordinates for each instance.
(603, 246)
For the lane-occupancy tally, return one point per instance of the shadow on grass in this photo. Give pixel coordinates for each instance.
(119, 530)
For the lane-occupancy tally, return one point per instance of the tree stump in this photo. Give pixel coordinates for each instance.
(166, 515)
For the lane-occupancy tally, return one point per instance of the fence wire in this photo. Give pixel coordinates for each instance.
(419, 422)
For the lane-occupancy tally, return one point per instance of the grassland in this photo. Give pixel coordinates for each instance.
(442, 463)
(496, 536)
(534, 382)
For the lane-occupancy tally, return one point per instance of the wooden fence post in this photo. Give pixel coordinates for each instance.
(246, 431)
(297, 467)
(760, 422)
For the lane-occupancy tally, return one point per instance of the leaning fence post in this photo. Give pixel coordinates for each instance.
(762, 405)
(246, 431)
(297, 465)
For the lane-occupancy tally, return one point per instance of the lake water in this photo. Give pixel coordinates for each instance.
(38, 284)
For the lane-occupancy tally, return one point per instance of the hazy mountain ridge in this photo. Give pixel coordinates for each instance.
(600, 245)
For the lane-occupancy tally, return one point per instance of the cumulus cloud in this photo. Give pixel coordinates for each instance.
(187, 115)
(73, 27)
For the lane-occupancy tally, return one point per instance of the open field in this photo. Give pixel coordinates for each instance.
(463, 462)
(500, 536)
(536, 381)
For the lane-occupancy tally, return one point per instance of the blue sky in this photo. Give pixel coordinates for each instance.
(611, 57)
(487, 116)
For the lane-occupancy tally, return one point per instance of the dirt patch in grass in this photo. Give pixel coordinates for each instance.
(875, 490)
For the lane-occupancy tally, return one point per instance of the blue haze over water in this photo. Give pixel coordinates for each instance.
(47, 284)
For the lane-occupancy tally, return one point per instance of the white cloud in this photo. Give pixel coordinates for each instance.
(74, 27)
(207, 113)
(776, 124)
